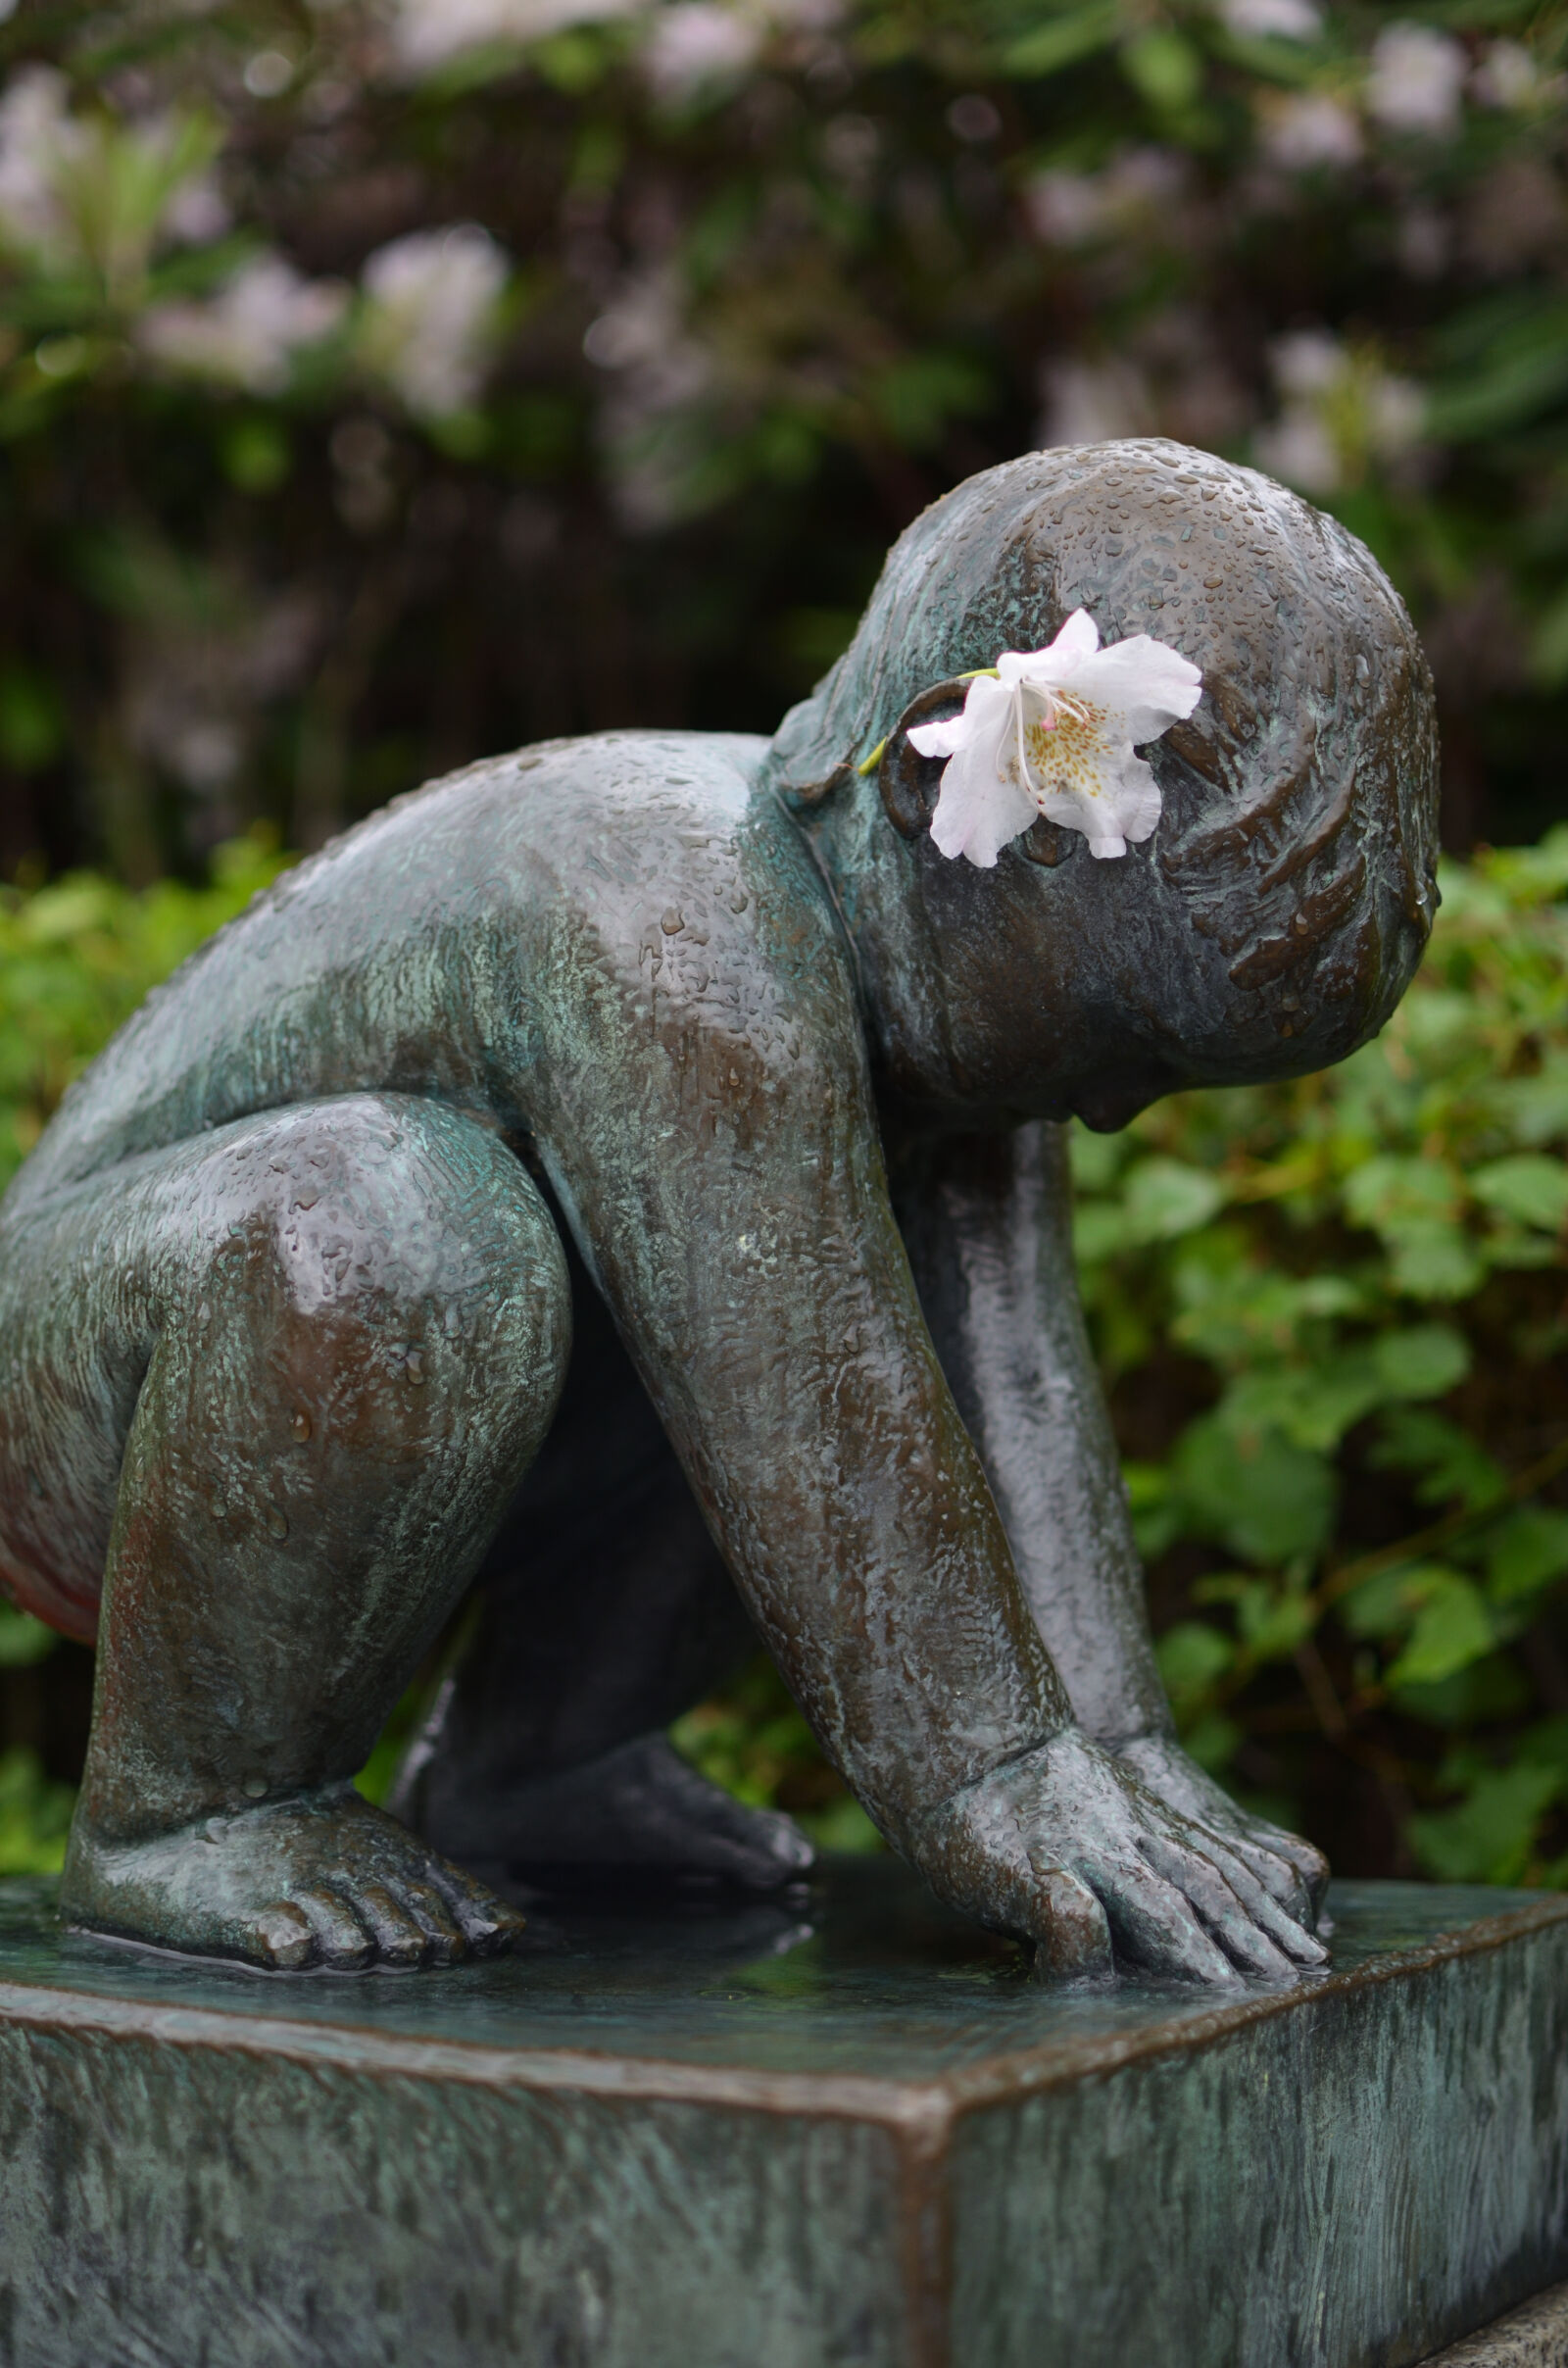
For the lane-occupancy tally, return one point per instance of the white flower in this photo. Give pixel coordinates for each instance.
(1307, 362)
(1138, 185)
(1054, 732)
(1416, 78)
(1342, 412)
(38, 139)
(92, 189)
(429, 316)
(425, 33)
(1281, 19)
(1508, 76)
(696, 43)
(248, 335)
(1299, 448)
(1093, 403)
(1306, 129)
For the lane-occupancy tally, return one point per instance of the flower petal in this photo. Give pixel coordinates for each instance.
(1143, 686)
(942, 739)
(1079, 638)
(1126, 805)
(979, 810)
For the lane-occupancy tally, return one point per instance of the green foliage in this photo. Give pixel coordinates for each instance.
(34, 1816)
(76, 957)
(1342, 1301)
(754, 1741)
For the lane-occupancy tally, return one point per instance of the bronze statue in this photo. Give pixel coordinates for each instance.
(705, 1044)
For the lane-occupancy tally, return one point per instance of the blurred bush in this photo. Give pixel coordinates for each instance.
(388, 381)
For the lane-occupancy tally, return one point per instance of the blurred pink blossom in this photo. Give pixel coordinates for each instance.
(1416, 79)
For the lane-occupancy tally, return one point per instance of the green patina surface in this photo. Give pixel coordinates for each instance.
(847, 2130)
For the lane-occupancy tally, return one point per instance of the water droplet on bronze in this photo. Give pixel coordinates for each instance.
(254, 1788)
(415, 1367)
(672, 921)
(277, 1522)
(301, 1426)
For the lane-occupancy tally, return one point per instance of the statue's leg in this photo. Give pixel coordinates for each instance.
(604, 1611)
(328, 1341)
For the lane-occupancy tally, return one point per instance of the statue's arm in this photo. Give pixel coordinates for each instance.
(727, 1189)
(758, 1275)
(987, 1219)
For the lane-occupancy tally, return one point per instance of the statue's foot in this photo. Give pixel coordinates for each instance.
(1292, 1871)
(638, 1812)
(322, 1879)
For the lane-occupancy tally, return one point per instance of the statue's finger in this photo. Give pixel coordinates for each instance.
(1234, 1907)
(1154, 1925)
(1310, 1865)
(1279, 1875)
(1072, 1937)
(1235, 1860)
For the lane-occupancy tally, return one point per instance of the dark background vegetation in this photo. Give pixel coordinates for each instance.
(381, 385)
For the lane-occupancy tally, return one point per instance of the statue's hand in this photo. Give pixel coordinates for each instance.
(1065, 1848)
(1289, 1869)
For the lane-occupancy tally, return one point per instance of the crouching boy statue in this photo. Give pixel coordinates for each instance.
(754, 1053)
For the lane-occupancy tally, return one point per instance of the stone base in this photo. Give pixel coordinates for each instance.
(1535, 2336)
(848, 2131)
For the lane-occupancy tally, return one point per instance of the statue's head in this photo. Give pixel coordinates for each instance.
(1273, 917)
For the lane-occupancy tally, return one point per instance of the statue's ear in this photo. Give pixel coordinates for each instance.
(909, 783)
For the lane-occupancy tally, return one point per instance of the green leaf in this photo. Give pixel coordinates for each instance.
(1261, 1496)
(1481, 1694)
(1528, 1187)
(1165, 1198)
(1213, 1741)
(1425, 1360)
(34, 1817)
(1192, 1655)
(1526, 1553)
(1385, 1191)
(32, 728)
(1452, 1628)
(1099, 1231)
(1313, 1406)
(1384, 1604)
(1489, 1836)
(1271, 1620)
(23, 1641)
(1156, 1516)
(1433, 1261)
(1453, 1463)
(1065, 41)
(1163, 69)
(1535, 1110)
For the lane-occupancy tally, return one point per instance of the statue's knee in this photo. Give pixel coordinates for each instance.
(381, 1245)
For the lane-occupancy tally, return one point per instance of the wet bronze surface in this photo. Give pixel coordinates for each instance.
(693, 1051)
(840, 2128)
